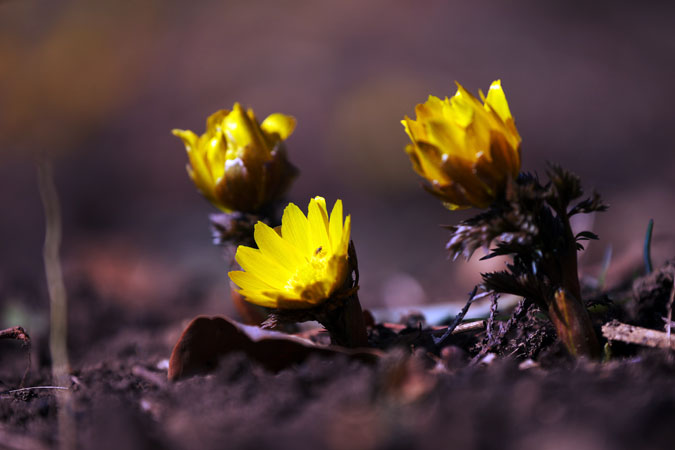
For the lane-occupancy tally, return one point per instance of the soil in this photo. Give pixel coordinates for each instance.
(521, 392)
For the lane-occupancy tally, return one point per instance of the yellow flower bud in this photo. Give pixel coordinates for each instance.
(464, 149)
(237, 164)
(300, 264)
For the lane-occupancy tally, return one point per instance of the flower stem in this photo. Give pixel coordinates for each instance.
(566, 309)
(345, 324)
(57, 291)
(573, 325)
(58, 330)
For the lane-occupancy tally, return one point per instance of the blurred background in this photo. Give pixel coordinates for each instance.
(99, 85)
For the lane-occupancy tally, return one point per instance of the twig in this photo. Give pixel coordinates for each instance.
(518, 312)
(465, 327)
(469, 326)
(481, 295)
(458, 318)
(19, 334)
(617, 331)
(491, 338)
(33, 388)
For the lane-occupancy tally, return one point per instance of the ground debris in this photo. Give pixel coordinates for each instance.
(651, 297)
(617, 331)
(19, 334)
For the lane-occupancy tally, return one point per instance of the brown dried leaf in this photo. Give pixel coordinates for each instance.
(207, 339)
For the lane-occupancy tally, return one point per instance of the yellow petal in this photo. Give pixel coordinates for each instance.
(431, 108)
(251, 116)
(188, 137)
(321, 202)
(252, 260)
(335, 227)
(275, 247)
(260, 298)
(199, 170)
(467, 98)
(216, 156)
(279, 125)
(478, 139)
(414, 129)
(411, 150)
(318, 224)
(322, 205)
(406, 127)
(346, 232)
(202, 184)
(242, 132)
(497, 101)
(295, 229)
(447, 136)
(214, 123)
(431, 161)
(248, 281)
(459, 110)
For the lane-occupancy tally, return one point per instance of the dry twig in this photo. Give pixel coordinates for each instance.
(617, 331)
(492, 341)
(458, 319)
(34, 388)
(466, 327)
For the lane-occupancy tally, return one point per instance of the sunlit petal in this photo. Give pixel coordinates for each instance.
(497, 100)
(318, 224)
(335, 227)
(278, 126)
(275, 247)
(254, 261)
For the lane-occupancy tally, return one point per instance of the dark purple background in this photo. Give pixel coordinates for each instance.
(101, 86)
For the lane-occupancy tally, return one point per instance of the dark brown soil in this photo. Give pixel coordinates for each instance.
(530, 396)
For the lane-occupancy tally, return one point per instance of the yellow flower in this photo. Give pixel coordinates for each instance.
(237, 164)
(299, 266)
(465, 149)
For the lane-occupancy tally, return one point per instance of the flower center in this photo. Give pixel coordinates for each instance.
(308, 277)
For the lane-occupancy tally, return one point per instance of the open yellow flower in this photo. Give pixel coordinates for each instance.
(464, 148)
(237, 164)
(299, 266)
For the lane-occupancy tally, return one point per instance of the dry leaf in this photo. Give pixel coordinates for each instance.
(207, 339)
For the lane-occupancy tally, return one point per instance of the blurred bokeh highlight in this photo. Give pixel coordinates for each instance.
(99, 86)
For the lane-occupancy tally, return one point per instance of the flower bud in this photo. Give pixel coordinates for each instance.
(238, 164)
(464, 149)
